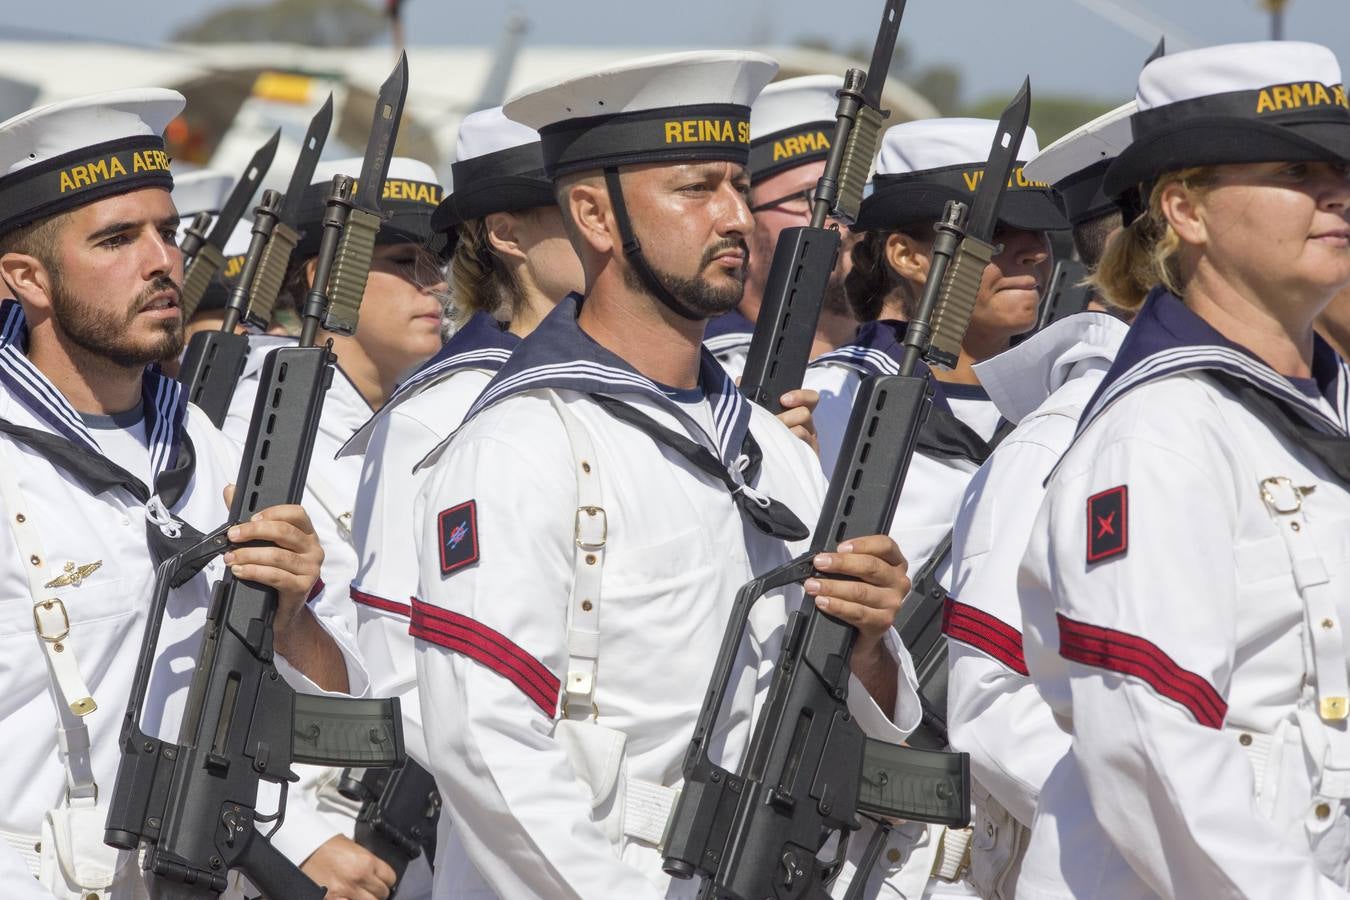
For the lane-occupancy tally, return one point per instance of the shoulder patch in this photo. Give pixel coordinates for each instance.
(458, 530)
(1108, 532)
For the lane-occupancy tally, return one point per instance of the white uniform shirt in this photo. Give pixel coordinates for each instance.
(108, 608)
(1164, 626)
(993, 710)
(424, 411)
(728, 338)
(499, 515)
(330, 498)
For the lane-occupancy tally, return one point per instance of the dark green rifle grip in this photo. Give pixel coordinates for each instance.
(347, 285)
(859, 152)
(204, 266)
(271, 273)
(957, 300)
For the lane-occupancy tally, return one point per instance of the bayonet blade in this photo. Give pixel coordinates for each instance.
(383, 133)
(882, 52)
(1012, 125)
(243, 192)
(315, 138)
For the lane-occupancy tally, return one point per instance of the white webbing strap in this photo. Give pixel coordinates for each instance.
(328, 498)
(70, 694)
(647, 808)
(953, 856)
(1324, 629)
(590, 533)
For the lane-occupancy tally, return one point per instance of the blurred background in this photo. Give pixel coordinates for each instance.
(249, 66)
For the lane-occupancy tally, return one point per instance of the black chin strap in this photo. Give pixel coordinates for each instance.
(632, 250)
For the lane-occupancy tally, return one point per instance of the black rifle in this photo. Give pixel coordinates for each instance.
(207, 255)
(400, 808)
(1067, 294)
(192, 804)
(215, 359)
(810, 770)
(804, 257)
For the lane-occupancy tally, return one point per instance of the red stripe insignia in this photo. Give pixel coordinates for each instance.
(1125, 654)
(1108, 531)
(985, 633)
(482, 644)
(375, 602)
(458, 530)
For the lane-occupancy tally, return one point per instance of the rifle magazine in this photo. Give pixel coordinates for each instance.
(921, 785)
(345, 731)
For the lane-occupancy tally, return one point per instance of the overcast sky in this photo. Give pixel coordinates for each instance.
(1091, 47)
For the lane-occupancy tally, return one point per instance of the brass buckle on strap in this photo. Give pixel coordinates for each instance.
(1281, 496)
(49, 605)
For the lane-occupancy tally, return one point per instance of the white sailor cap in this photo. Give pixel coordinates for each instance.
(792, 122)
(1268, 101)
(63, 155)
(924, 164)
(1076, 164)
(201, 191)
(411, 194)
(674, 107)
(499, 167)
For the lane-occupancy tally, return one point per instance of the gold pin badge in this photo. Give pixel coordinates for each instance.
(74, 576)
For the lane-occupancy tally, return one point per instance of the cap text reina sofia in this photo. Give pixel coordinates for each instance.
(707, 131)
(101, 170)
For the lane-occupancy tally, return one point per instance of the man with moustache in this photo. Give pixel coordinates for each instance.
(791, 126)
(105, 470)
(611, 461)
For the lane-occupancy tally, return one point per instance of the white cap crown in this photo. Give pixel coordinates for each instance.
(939, 143)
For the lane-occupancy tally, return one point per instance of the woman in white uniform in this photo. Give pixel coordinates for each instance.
(1185, 586)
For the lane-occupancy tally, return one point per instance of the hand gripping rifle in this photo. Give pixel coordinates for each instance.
(215, 359)
(400, 808)
(810, 770)
(193, 803)
(206, 255)
(804, 257)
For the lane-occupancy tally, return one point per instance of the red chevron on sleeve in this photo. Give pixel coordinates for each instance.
(1125, 654)
(985, 633)
(377, 602)
(482, 644)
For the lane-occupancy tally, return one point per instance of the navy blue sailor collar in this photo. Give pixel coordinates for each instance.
(163, 399)
(728, 331)
(559, 355)
(1168, 338)
(480, 343)
(876, 349)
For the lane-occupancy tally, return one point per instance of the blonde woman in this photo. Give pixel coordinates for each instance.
(1185, 587)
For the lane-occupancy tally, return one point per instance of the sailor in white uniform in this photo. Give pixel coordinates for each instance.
(791, 127)
(511, 259)
(104, 471)
(1188, 576)
(399, 329)
(994, 712)
(920, 167)
(612, 463)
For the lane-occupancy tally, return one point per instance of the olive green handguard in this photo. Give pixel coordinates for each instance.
(350, 269)
(957, 300)
(204, 266)
(271, 273)
(858, 155)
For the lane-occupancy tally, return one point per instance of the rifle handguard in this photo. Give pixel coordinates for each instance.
(350, 271)
(859, 152)
(208, 261)
(271, 273)
(956, 302)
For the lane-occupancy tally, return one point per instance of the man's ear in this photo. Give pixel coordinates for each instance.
(907, 257)
(28, 280)
(586, 204)
(501, 235)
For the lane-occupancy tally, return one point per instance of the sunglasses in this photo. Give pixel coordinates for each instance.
(806, 197)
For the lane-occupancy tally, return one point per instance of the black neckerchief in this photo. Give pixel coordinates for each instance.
(1289, 421)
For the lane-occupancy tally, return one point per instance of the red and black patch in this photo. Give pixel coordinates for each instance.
(458, 529)
(1108, 531)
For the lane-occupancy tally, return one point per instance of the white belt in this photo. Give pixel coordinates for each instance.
(28, 846)
(953, 857)
(647, 808)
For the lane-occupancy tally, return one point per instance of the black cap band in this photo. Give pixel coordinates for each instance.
(712, 131)
(1299, 102)
(918, 198)
(83, 176)
(1082, 192)
(790, 147)
(503, 181)
(406, 207)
